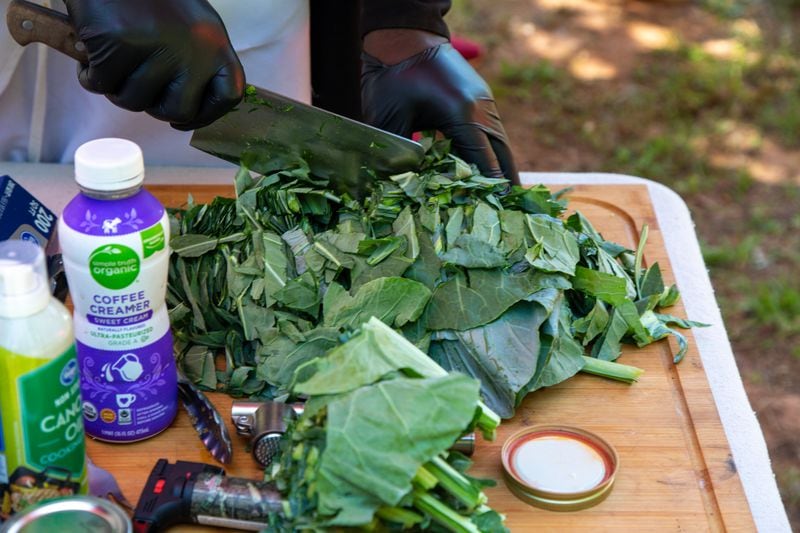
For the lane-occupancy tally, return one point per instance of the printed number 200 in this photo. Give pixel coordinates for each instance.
(43, 221)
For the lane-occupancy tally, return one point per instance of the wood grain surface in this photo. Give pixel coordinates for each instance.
(676, 471)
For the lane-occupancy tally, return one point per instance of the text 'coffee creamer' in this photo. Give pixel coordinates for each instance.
(114, 237)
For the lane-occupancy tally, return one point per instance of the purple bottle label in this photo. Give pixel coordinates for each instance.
(128, 395)
(106, 218)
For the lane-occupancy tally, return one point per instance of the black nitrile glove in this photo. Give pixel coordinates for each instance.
(438, 89)
(172, 59)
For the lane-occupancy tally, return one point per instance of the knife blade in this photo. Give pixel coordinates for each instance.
(266, 131)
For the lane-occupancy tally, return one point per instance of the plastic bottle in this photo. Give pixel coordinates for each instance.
(114, 237)
(42, 452)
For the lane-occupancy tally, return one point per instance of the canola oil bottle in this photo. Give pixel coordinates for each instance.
(42, 451)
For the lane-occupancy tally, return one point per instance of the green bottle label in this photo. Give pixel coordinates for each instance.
(42, 415)
(153, 240)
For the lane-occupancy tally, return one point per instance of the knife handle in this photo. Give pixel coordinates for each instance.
(31, 23)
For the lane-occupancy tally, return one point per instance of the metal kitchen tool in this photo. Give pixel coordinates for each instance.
(266, 131)
(265, 422)
(206, 420)
(197, 493)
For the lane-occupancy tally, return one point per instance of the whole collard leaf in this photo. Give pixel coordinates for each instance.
(369, 461)
(392, 300)
(375, 351)
(502, 355)
(560, 355)
(463, 303)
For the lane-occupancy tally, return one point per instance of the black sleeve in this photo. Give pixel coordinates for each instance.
(425, 15)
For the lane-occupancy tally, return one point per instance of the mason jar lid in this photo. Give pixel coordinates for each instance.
(560, 468)
(74, 513)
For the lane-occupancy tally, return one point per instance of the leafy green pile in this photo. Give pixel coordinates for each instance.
(484, 278)
(370, 448)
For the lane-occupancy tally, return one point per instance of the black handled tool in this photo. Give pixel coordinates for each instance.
(198, 493)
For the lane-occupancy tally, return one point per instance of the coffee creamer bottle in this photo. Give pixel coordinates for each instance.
(114, 240)
(42, 452)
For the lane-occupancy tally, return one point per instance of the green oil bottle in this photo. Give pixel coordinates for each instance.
(42, 453)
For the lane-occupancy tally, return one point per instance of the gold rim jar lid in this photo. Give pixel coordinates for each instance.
(72, 513)
(560, 468)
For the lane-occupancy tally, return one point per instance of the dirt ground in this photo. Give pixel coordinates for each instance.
(693, 94)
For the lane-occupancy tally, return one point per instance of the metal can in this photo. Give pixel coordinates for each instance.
(78, 513)
(560, 468)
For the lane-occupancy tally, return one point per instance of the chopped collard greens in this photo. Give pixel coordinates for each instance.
(309, 293)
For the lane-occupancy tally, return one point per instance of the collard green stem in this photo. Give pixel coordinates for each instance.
(611, 370)
(455, 483)
(442, 514)
(405, 517)
(488, 421)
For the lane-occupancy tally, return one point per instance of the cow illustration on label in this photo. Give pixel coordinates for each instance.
(110, 225)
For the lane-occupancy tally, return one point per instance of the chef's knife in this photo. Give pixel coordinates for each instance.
(266, 131)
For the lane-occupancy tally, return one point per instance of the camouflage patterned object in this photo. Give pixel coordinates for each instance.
(217, 495)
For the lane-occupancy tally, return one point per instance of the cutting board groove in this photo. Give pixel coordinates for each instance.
(676, 470)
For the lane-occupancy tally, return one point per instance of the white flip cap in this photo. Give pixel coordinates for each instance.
(24, 289)
(109, 165)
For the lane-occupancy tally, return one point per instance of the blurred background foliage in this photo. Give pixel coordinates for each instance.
(703, 96)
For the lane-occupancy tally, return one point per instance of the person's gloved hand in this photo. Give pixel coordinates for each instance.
(435, 89)
(171, 59)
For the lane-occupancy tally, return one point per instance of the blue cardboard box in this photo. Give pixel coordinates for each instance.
(22, 216)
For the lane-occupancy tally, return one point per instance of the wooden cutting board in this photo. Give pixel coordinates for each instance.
(676, 471)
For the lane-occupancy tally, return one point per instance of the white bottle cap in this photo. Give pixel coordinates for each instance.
(24, 290)
(109, 165)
